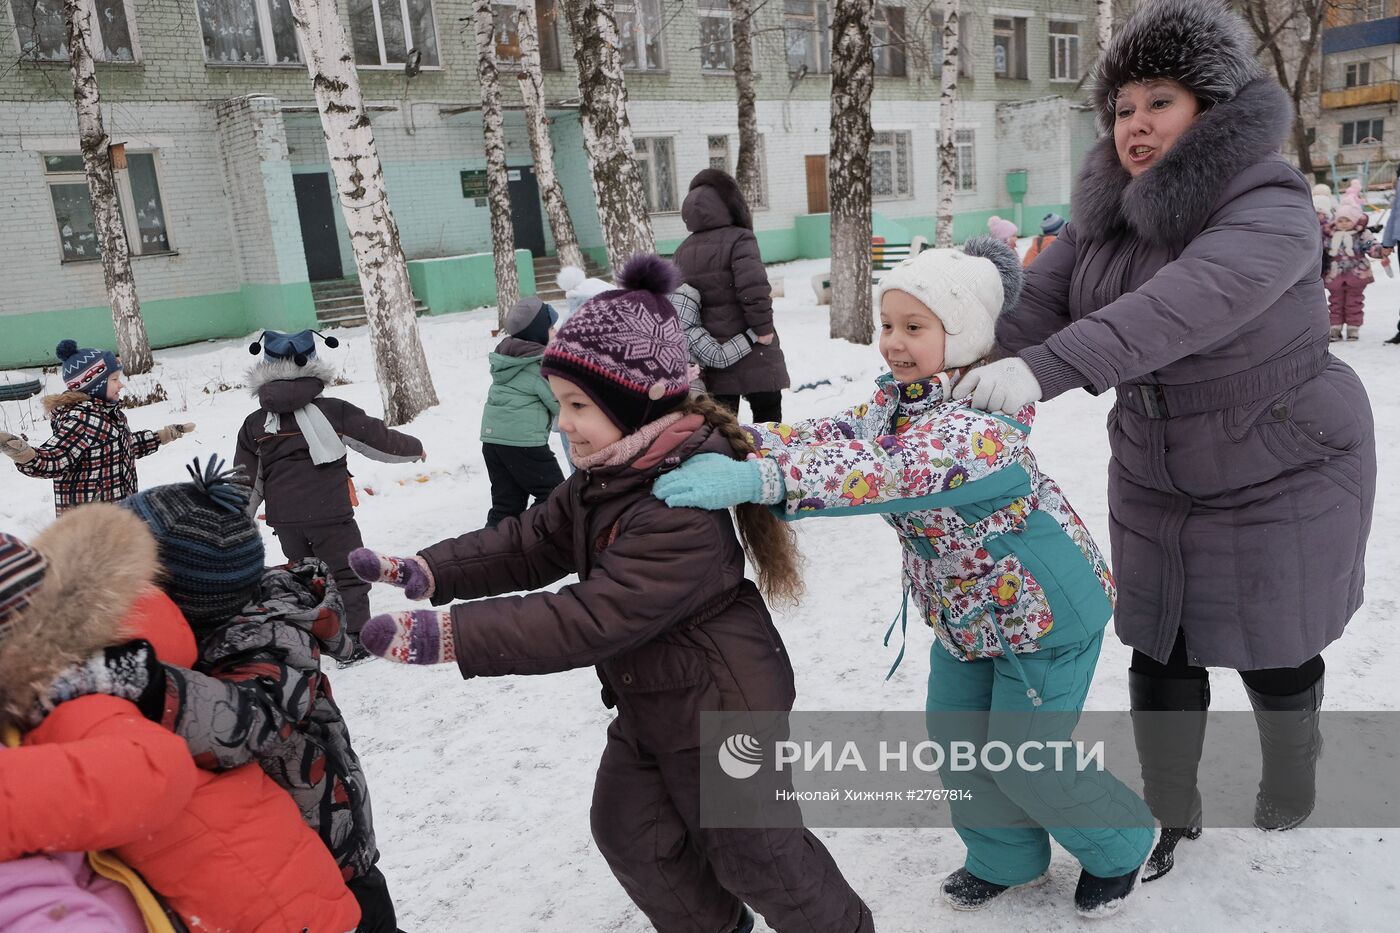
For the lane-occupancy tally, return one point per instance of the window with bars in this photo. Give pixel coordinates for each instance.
(383, 32)
(807, 34)
(138, 198)
(507, 34)
(1009, 47)
(43, 34)
(965, 171)
(889, 166)
(887, 41)
(639, 33)
(719, 153)
(718, 149)
(1064, 51)
(656, 162)
(716, 36)
(1358, 132)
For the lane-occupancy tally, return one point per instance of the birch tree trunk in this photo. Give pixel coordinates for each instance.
(133, 346)
(852, 79)
(607, 133)
(497, 185)
(405, 385)
(531, 76)
(1103, 21)
(746, 168)
(947, 126)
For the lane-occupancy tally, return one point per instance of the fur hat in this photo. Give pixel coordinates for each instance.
(966, 289)
(531, 320)
(1198, 43)
(625, 348)
(210, 547)
(86, 369)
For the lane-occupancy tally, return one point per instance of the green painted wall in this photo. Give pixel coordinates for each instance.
(813, 235)
(29, 339)
(460, 283)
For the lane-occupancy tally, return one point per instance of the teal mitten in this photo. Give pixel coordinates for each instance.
(714, 481)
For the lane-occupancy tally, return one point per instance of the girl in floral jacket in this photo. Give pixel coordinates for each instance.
(1349, 248)
(997, 561)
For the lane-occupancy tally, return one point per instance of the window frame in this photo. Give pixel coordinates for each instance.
(126, 204)
(128, 5)
(639, 50)
(895, 42)
(513, 64)
(1055, 30)
(1371, 12)
(1359, 139)
(1356, 68)
(651, 177)
(896, 136)
(730, 165)
(408, 38)
(820, 21)
(265, 36)
(721, 11)
(965, 141)
(1017, 67)
(936, 42)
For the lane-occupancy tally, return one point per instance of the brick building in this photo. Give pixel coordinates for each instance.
(228, 197)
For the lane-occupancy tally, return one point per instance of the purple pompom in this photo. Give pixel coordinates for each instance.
(648, 272)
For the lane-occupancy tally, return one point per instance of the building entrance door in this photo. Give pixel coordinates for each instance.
(525, 209)
(817, 202)
(316, 211)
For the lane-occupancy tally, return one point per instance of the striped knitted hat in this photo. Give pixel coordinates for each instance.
(210, 548)
(625, 348)
(86, 369)
(21, 573)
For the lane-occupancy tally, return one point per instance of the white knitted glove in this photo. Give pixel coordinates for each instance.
(1007, 385)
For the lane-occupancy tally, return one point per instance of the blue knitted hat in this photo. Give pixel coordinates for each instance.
(299, 347)
(210, 547)
(86, 369)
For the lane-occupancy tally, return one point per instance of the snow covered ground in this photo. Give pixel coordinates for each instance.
(482, 788)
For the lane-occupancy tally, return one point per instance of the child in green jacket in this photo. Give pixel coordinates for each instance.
(519, 408)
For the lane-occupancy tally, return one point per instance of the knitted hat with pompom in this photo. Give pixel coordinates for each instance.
(625, 348)
(86, 369)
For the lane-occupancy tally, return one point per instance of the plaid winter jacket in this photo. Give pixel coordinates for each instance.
(257, 694)
(92, 454)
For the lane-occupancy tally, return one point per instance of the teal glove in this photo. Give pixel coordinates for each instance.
(714, 481)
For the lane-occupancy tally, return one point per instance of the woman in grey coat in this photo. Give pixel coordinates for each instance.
(1243, 455)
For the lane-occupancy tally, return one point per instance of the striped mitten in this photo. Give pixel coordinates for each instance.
(411, 573)
(417, 636)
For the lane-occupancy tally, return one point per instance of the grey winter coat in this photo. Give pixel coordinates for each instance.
(720, 259)
(1243, 469)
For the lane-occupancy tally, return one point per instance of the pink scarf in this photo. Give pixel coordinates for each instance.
(624, 451)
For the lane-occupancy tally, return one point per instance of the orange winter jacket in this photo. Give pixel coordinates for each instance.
(227, 851)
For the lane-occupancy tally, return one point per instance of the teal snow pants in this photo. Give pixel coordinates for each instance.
(1091, 813)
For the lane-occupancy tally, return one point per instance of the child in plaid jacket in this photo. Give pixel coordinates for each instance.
(93, 452)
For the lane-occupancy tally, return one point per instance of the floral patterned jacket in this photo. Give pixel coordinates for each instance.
(994, 555)
(1350, 255)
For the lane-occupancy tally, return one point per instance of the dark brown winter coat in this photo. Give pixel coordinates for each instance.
(1244, 465)
(298, 491)
(720, 259)
(662, 606)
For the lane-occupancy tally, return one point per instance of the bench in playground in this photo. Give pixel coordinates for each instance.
(884, 256)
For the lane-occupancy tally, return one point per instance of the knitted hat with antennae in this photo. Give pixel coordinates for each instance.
(299, 347)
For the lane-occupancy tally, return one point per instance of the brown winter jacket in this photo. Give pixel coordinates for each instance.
(661, 607)
(297, 491)
(720, 259)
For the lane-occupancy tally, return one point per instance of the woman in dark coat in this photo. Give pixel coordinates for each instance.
(720, 259)
(1243, 454)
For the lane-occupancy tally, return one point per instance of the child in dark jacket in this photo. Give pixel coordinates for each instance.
(519, 409)
(92, 454)
(293, 449)
(662, 607)
(257, 692)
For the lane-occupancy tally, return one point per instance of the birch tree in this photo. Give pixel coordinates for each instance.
(852, 80)
(133, 346)
(497, 185)
(947, 125)
(405, 385)
(607, 133)
(531, 76)
(1290, 38)
(746, 168)
(1103, 22)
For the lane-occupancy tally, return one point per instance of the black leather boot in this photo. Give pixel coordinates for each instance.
(1169, 749)
(1290, 738)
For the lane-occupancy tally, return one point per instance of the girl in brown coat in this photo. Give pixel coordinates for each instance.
(662, 608)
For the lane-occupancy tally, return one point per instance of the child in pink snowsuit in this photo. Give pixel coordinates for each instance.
(1350, 247)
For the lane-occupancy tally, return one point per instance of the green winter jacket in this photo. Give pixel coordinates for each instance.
(519, 406)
